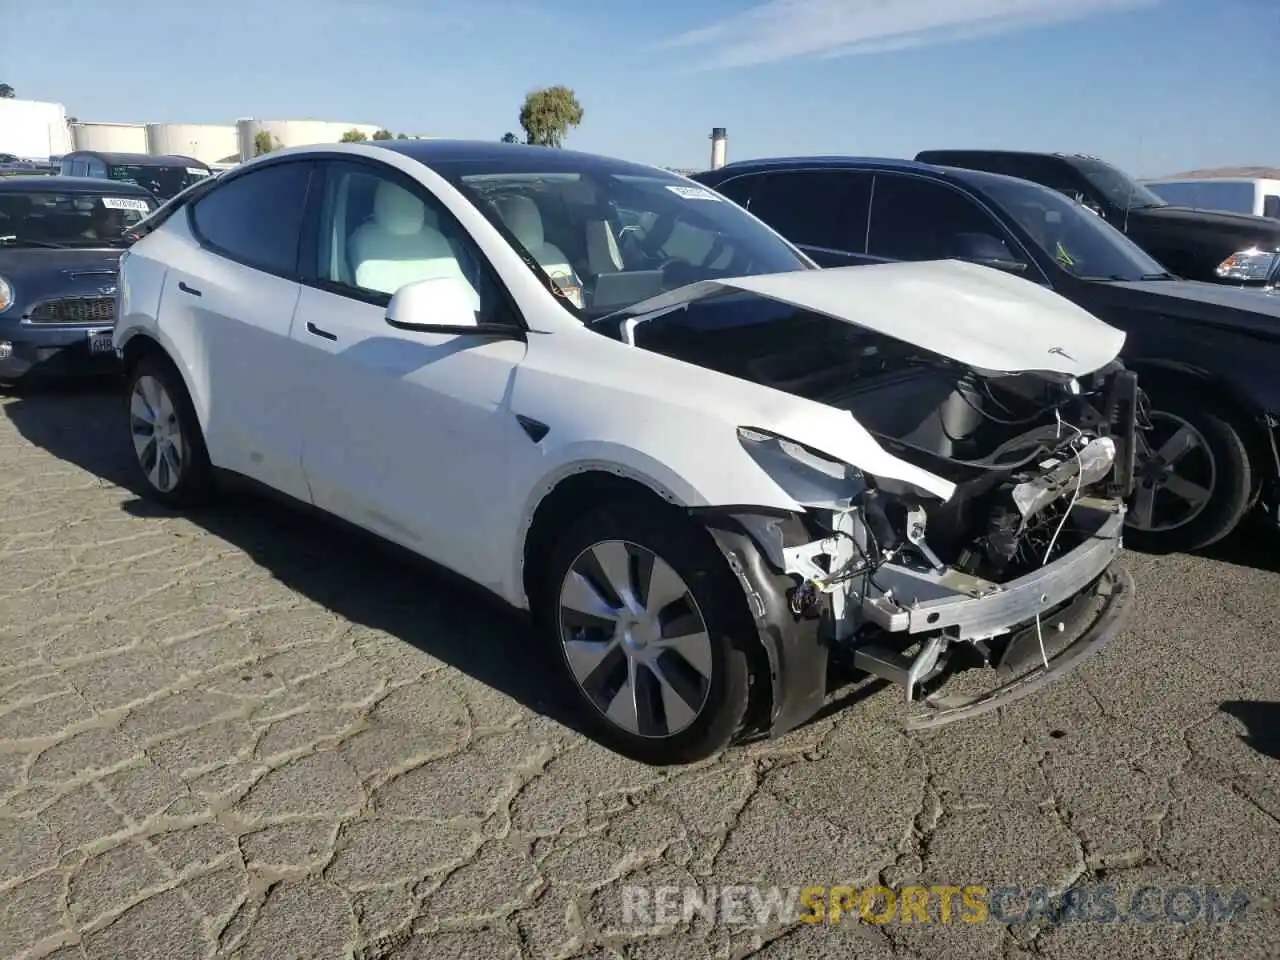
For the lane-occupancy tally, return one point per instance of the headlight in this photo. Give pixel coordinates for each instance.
(1251, 264)
(6, 295)
(808, 477)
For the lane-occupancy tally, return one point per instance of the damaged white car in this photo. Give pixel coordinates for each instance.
(709, 469)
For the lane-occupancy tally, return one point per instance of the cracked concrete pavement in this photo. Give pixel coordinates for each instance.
(248, 734)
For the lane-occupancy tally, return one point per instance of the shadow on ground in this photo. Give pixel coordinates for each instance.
(363, 580)
(1255, 543)
(1261, 720)
(357, 577)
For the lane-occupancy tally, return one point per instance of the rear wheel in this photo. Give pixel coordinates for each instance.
(1194, 479)
(168, 446)
(648, 622)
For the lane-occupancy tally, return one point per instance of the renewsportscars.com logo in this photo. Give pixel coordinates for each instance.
(1008, 904)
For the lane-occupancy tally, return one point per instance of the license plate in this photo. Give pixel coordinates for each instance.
(100, 341)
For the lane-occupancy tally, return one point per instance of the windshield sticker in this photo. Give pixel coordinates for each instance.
(125, 203)
(195, 171)
(694, 193)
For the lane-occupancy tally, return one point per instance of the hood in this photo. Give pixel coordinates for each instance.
(1240, 227)
(986, 319)
(1245, 308)
(40, 274)
(32, 262)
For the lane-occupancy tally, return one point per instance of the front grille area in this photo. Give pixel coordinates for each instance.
(76, 310)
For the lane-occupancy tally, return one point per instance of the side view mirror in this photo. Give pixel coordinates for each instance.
(987, 250)
(437, 305)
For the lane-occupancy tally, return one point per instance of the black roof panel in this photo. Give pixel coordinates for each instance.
(97, 185)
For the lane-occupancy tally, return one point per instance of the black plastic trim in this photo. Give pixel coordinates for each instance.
(797, 652)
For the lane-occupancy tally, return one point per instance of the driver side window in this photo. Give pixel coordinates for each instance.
(378, 232)
(917, 219)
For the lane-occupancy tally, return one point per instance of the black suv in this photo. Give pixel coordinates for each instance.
(1207, 355)
(1209, 245)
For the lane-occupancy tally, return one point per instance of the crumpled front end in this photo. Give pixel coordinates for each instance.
(1016, 574)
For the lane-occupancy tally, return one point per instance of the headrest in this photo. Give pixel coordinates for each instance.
(396, 210)
(522, 218)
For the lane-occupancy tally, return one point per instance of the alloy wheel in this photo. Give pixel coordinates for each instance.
(1177, 475)
(157, 433)
(634, 639)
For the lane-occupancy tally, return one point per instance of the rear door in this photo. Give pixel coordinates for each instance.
(227, 310)
(823, 212)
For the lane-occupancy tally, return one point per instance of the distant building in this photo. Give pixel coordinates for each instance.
(293, 133)
(207, 142)
(109, 137)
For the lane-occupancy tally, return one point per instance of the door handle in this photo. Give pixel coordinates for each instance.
(191, 290)
(323, 334)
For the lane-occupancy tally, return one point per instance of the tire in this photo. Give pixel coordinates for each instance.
(663, 727)
(1218, 462)
(183, 477)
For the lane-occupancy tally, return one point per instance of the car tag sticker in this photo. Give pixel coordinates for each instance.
(694, 193)
(125, 203)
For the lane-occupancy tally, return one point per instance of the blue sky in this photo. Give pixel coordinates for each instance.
(1155, 86)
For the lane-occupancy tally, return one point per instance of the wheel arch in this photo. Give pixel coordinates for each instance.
(1246, 415)
(142, 345)
(589, 486)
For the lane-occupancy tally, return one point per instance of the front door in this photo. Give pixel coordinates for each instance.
(405, 434)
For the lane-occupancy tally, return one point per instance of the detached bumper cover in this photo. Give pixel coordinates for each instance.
(1104, 608)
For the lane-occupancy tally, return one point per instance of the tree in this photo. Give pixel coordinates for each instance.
(6, 92)
(402, 136)
(264, 142)
(353, 136)
(383, 135)
(510, 137)
(549, 114)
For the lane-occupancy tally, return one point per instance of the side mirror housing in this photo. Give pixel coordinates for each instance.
(448, 305)
(989, 251)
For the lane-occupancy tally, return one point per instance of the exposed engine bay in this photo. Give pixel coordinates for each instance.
(1042, 464)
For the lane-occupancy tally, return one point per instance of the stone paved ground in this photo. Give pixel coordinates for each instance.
(253, 736)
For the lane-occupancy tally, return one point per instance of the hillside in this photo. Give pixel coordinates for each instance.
(1267, 172)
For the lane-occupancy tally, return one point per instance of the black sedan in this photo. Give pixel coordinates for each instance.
(60, 245)
(1207, 355)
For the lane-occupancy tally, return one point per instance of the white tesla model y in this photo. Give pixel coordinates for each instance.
(623, 404)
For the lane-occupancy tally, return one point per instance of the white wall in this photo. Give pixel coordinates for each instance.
(110, 137)
(207, 142)
(295, 133)
(33, 129)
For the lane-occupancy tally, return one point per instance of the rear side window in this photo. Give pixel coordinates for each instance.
(256, 218)
(816, 208)
(738, 190)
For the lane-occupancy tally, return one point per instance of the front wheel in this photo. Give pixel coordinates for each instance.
(649, 625)
(1194, 479)
(168, 446)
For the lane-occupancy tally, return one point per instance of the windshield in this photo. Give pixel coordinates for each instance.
(163, 182)
(1118, 187)
(607, 239)
(1079, 240)
(68, 219)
